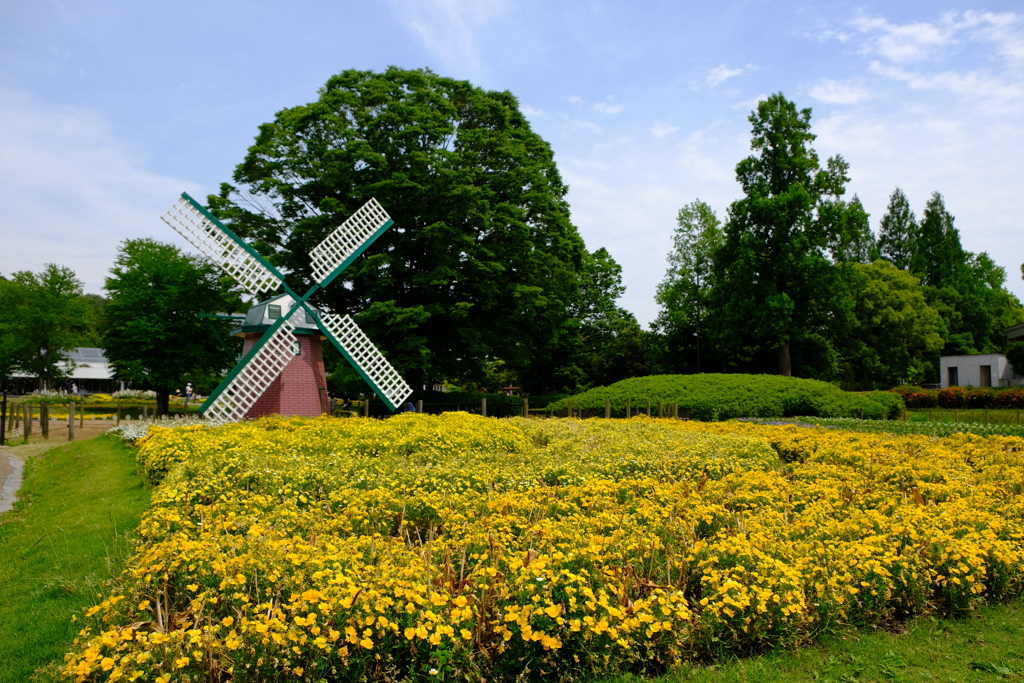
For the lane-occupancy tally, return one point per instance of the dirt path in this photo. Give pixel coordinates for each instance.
(13, 458)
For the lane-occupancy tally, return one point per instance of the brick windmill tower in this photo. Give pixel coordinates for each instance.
(290, 393)
(282, 367)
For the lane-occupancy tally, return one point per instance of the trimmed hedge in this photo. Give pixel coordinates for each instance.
(723, 397)
(962, 397)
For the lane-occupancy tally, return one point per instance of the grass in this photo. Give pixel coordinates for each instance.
(985, 647)
(63, 539)
(976, 415)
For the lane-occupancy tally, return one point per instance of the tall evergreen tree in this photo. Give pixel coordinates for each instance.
(897, 231)
(775, 286)
(937, 256)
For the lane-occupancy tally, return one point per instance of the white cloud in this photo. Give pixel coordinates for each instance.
(660, 130)
(750, 104)
(976, 84)
(836, 92)
(531, 112)
(916, 41)
(608, 106)
(905, 42)
(452, 30)
(720, 74)
(64, 174)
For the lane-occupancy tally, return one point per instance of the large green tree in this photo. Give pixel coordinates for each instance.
(895, 330)
(685, 293)
(42, 317)
(483, 264)
(153, 333)
(776, 288)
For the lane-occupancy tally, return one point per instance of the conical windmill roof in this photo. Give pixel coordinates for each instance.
(264, 314)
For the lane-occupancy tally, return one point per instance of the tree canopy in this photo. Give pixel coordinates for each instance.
(685, 293)
(42, 317)
(775, 285)
(483, 263)
(153, 334)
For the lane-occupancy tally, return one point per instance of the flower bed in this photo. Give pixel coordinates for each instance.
(434, 547)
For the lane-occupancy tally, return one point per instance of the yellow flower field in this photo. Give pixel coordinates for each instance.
(454, 546)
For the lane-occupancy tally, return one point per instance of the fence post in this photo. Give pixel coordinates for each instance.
(956, 415)
(526, 407)
(629, 407)
(419, 405)
(44, 420)
(3, 416)
(28, 421)
(366, 405)
(117, 420)
(648, 407)
(607, 409)
(71, 421)
(81, 415)
(483, 407)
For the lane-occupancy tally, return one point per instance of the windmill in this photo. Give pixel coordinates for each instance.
(279, 348)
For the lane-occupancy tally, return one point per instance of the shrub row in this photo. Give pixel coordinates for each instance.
(711, 397)
(962, 397)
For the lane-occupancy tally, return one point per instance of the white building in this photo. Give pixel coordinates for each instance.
(977, 370)
(87, 367)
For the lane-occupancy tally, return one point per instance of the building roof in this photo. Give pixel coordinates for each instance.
(265, 313)
(85, 354)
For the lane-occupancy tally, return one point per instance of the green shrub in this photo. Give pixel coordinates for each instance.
(978, 397)
(953, 397)
(722, 397)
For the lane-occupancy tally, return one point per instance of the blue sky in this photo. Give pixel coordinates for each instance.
(110, 108)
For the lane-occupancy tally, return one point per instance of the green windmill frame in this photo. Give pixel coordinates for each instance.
(265, 361)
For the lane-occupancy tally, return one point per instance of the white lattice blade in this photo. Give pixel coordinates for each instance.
(235, 401)
(369, 361)
(347, 238)
(220, 247)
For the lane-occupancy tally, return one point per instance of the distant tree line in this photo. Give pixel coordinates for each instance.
(794, 281)
(484, 281)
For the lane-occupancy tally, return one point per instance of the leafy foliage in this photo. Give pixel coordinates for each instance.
(685, 293)
(775, 285)
(721, 397)
(483, 264)
(42, 317)
(895, 329)
(153, 334)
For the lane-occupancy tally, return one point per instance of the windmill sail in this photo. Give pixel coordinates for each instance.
(368, 361)
(223, 247)
(348, 241)
(254, 375)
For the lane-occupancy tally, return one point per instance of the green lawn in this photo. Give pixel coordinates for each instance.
(985, 647)
(64, 538)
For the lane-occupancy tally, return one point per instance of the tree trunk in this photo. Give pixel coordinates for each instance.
(163, 401)
(785, 362)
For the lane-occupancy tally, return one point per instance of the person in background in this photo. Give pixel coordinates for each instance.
(188, 393)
